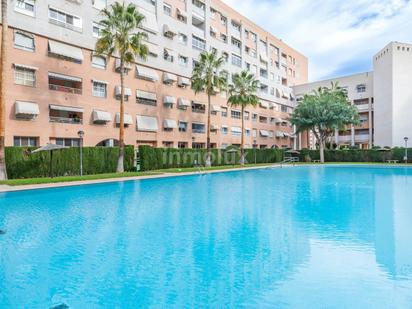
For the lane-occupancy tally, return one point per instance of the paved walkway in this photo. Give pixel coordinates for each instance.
(7, 188)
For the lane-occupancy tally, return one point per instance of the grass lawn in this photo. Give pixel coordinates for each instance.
(33, 181)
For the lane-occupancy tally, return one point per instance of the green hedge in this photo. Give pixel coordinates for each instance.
(96, 160)
(356, 155)
(162, 158)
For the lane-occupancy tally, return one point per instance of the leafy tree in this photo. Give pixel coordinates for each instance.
(3, 76)
(324, 111)
(120, 37)
(243, 93)
(208, 77)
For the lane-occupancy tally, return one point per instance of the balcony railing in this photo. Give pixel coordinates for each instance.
(200, 131)
(65, 120)
(65, 89)
(198, 110)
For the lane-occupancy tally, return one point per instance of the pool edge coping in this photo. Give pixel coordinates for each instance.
(8, 188)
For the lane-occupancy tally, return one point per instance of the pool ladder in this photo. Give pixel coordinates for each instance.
(291, 160)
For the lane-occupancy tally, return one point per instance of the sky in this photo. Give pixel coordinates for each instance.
(339, 37)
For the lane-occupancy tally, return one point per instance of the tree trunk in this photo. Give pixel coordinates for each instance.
(3, 78)
(208, 161)
(322, 150)
(242, 140)
(120, 160)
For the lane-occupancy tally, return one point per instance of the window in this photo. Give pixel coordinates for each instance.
(223, 20)
(97, 30)
(254, 117)
(223, 111)
(223, 37)
(68, 142)
(237, 60)
(247, 132)
(213, 13)
(225, 130)
(99, 89)
(236, 114)
(167, 9)
(361, 88)
(99, 62)
(183, 61)
(25, 141)
(23, 41)
(65, 83)
(26, 7)
(236, 43)
(198, 128)
(198, 43)
(182, 145)
(182, 126)
(182, 38)
(25, 76)
(283, 109)
(65, 20)
(198, 108)
(246, 115)
(167, 55)
(99, 4)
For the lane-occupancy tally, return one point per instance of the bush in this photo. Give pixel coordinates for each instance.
(163, 158)
(356, 155)
(96, 160)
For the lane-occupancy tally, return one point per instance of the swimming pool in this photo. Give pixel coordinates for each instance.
(298, 237)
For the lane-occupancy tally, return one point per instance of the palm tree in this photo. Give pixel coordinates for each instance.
(243, 93)
(208, 77)
(3, 64)
(119, 36)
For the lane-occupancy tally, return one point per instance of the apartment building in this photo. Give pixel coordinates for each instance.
(59, 86)
(383, 98)
(359, 88)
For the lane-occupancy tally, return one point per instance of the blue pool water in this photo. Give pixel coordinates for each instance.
(303, 237)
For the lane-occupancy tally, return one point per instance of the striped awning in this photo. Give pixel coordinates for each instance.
(22, 108)
(264, 133)
(127, 91)
(141, 94)
(128, 119)
(147, 123)
(65, 50)
(215, 108)
(169, 124)
(146, 73)
(169, 77)
(169, 100)
(65, 77)
(264, 104)
(101, 116)
(66, 108)
(183, 102)
(236, 129)
(183, 81)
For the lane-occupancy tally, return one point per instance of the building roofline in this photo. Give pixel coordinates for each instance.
(334, 78)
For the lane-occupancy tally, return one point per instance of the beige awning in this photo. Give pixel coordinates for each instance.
(127, 66)
(23, 66)
(168, 31)
(101, 116)
(147, 123)
(65, 77)
(169, 100)
(236, 130)
(169, 77)
(169, 124)
(128, 119)
(284, 94)
(213, 29)
(127, 91)
(181, 13)
(22, 108)
(183, 102)
(215, 108)
(264, 104)
(140, 94)
(279, 134)
(66, 108)
(183, 81)
(278, 120)
(146, 73)
(153, 48)
(150, 21)
(65, 50)
(264, 57)
(264, 133)
(214, 127)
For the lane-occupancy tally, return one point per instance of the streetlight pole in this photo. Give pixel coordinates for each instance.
(406, 149)
(81, 135)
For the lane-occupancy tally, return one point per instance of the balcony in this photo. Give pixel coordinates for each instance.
(65, 120)
(198, 108)
(65, 114)
(65, 83)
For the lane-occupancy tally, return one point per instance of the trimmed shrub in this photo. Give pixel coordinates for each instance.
(96, 160)
(163, 158)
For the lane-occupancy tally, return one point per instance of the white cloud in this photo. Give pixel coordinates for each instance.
(339, 37)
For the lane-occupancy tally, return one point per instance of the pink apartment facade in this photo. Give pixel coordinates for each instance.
(58, 86)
